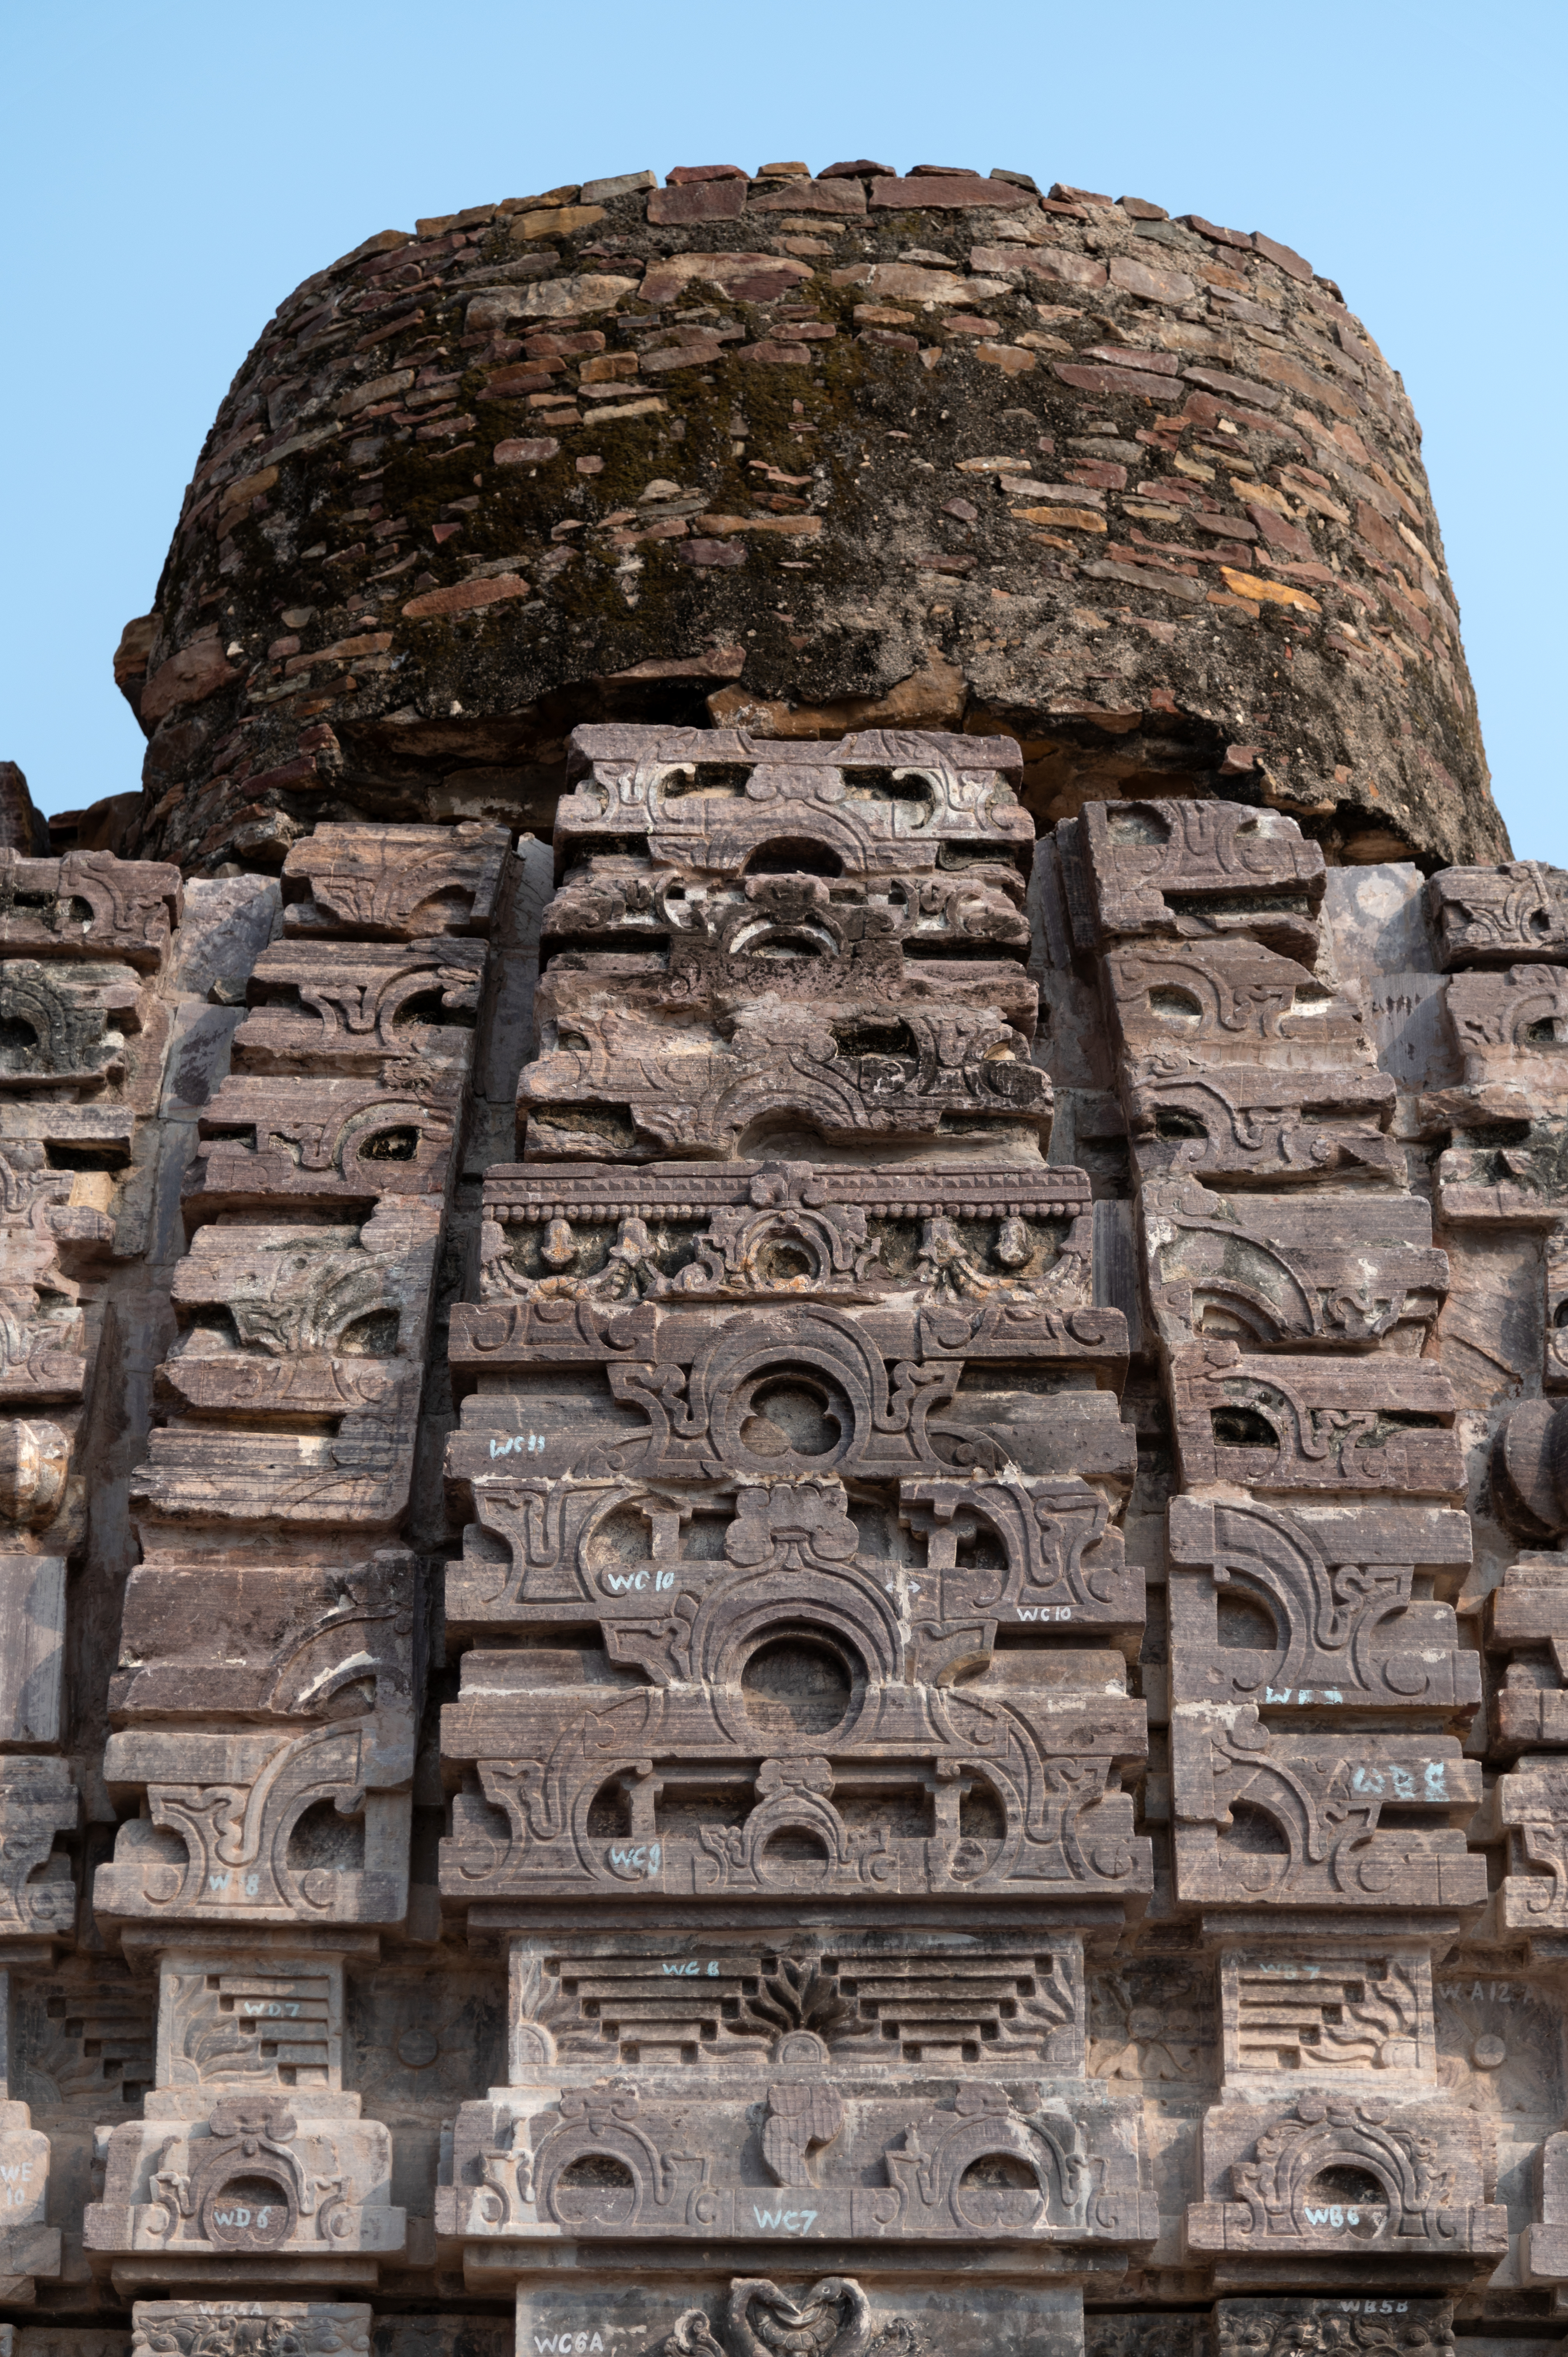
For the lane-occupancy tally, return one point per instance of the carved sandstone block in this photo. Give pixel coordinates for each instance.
(88, 904)
(1281, 1817)
(267, 1826)
(249, 2328)
(1497, 915)
(592, 1780)
(1259, 1123)
(354, 1475)
(1341, 2177)
(333, 1141)
(615, 899)
(1531, 1808)
(1324, 1270)
(250, 2022)
(1528, 1468)
(393, 884)
(1016, 1238)
(43, 1330)
(1231, 1002)
(834, 2159)
(628, 2313)
(259, 2175)
(1271, 2328)
(38, 1806)
(327, 1007)
(1193, 867)
(1513, 1175)
(302, 1641)
(1318, 1611)
(861, 1998)
(59, 1157)
(715, 802)
(288, 1292)
(293, 1330)
(1526, 1622)
(1285, 2012)
(864, 985)
(1279, 1423)
(30, 2249)
(32, 1648)
(608, 1080)
(56, 1241)
(1543, 2246)
(1510, 1030)
(64, 1026)
(670, 1394)
(1018, 1555)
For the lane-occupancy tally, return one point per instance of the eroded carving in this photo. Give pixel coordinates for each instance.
(1343, 2175)
(1289, 1819)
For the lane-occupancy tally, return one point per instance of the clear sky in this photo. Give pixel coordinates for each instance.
(173, 170)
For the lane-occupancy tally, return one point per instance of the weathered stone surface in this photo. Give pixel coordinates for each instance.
(224, 1841)
(894, 1066)
(378, 884)
(1331, 1271)
(175, 2327)
(667, 1393)
(1526, 1622)
(1270, 2325)
(38, 1805)
(30, 2249)
(1276, 1818)
(240, 2183)
(1248, 1123)
(324, 1141)
(1276, 2186)
(1227, 1004)
(343, 1008)
(1281, 453)
(1530, 1807)
(1190, 868)
(634, 1632)
(1057, 1826)
(695, 2165)
(32, 1648)
(868, 803)
(1370, 1422)
(1506, 1026)
(1499, 916)
(87, 905)
(1328, 1603)
(865, 1999)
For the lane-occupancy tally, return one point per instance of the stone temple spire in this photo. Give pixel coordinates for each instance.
(784, 1324)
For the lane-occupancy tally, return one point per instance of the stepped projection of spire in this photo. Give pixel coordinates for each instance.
(785, 1447)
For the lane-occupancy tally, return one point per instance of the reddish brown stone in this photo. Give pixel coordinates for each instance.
(704, 199)
(1116, 380)
(825, 195)
(947, 193)
(198, 670)
(1284, 255)
(815, 1427)
(465, 596)
(1232, 237)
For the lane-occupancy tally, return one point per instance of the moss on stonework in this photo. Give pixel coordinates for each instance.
(1347, 733)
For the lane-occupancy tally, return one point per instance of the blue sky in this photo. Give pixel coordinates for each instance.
(173, 171)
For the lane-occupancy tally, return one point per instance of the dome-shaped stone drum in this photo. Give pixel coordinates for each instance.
(802, 454)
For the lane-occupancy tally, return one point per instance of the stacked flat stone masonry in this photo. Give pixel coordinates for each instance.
(785, 1449)
(948, 1734)
(809, 452)
(735, 1731)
